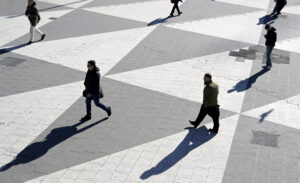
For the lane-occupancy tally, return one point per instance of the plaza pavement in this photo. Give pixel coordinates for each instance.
(152, 68)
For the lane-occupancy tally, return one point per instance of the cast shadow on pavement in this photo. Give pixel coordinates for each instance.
(267, 19)
(194, 139)
(159, 20)
(38, 149)
(7, 50)
(264, 115)
(245, 84)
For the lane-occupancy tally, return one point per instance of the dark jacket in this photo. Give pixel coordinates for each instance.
(34, 16)
(271, 37)
(92, 81)
(210, 95)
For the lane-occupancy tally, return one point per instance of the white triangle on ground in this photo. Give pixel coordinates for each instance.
(239, 27)
(284, 112)
(68, 3)
(289, 45)
(292, 9)
(262, 4)
(184, 79)
(106, 49)
(24, 116)
(146, 11)
(185, 156)
(14, 27)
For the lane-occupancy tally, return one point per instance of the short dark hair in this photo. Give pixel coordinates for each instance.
(92, 62)
(207, 75)
(267, 26)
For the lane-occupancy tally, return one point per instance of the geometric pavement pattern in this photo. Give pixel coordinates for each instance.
(152, 67)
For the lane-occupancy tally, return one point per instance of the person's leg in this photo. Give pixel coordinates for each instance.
(275, 9)
(88, 101)
(99, 104)
(177, 8)
(268, 55)
(31, 33)
(173, 9)
(280, 7)
(214, 113)
(200, 117)
(39, 31)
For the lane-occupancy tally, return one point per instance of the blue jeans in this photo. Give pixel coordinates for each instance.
(95, 98)
(268, 55)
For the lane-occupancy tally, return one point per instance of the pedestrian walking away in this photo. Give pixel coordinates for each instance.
(271, 38)
(279, 6)
(93, 90)
(175, 6)
(34, 18)
(210, 104)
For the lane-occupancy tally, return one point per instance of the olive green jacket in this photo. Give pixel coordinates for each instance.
(210, 95)
(33, 14)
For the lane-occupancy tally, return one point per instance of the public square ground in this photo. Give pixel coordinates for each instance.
(152, 67)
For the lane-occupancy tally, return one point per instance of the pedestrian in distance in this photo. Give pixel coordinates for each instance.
(175, 6)
(271, 38)
(279, 6)
(34, 18)
(210, 104)
(93, 90)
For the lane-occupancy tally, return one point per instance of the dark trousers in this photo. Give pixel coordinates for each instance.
(213, 112)
(175, 7)
(95, 98)
(278, 7)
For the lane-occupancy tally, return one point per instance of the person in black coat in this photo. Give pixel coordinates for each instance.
(93, 90)
(34, 18)
(175, 6)
(271, 38)
(279, 6)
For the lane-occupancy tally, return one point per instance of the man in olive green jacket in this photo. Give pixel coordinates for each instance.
(210, 104)
(34, 17)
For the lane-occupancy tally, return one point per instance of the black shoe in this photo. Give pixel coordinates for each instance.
(109, 111)
(180, 13)
(213, 130)
(171, 15)
(43, 37)
(193, 123)
(29, 43)
(278, 13)
(86, 118)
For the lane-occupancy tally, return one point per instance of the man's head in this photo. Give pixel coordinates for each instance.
(207, 78)
(267, 27)
(30, 2)
(91, 65)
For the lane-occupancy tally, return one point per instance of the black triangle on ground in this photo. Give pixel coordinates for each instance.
(166, 45)
(20, 74)
(139, 116)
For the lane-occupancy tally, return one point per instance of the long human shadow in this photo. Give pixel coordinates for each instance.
(194, 139)
(7, 50)
(264, 115)
(267, 19)
(53, 7)
(38, 149)
(159, 20)
(245, 84)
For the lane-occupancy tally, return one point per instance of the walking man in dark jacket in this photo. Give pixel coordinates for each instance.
(34, 17)
(92, 90)
(279, 6)
(210, 104)
(175, 6)
(271, 38)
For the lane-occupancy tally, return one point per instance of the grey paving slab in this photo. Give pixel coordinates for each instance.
(86, 23)
(250, 162)
(166, 45)
(139, 116)
(20, 74)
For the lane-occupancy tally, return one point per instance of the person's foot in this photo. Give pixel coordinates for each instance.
(171, 15)
(180, 13)
(193, 123)
(267, 67)
(278, 13)
(43, 37)
(109, 111)
(86, 118)
(213, 130)
(29, 42)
